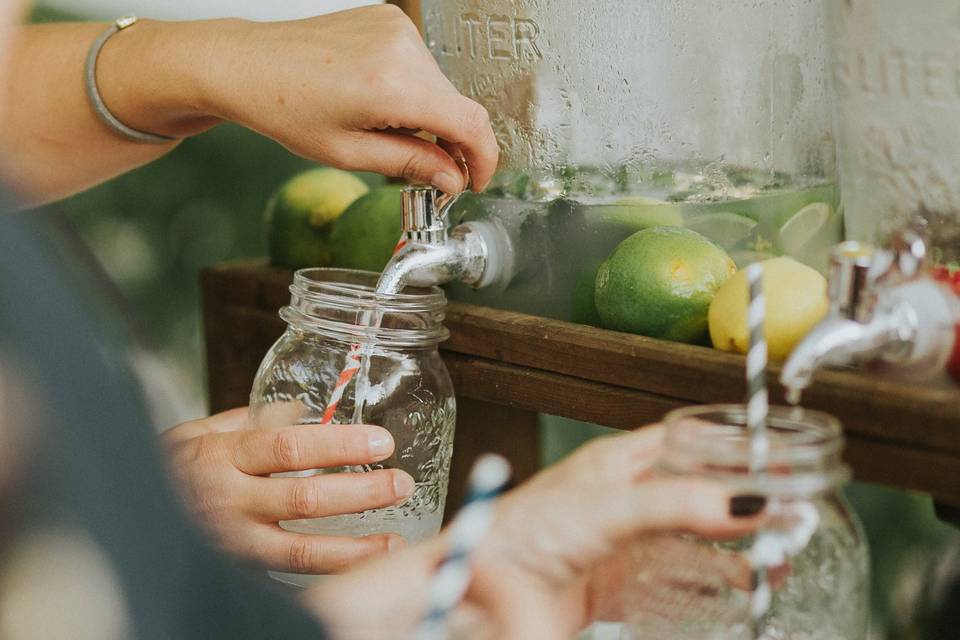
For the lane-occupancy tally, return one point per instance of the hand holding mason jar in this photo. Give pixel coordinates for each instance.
(558, 556)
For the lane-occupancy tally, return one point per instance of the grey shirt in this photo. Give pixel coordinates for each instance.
(86, 460)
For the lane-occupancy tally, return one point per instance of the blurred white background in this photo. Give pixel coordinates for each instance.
(179, 9)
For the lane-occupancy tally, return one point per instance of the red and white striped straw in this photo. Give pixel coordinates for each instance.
(354, 361)
(346, 375)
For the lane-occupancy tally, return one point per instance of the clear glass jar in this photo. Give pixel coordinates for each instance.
(687, 588)
(407, 388)
(895, 76)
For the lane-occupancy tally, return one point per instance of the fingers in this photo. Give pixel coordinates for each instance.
(637, 501)
(275, 499)
(460, 121)
(403, 156)
(232, 420)
(315, 554)
(682, 504)
(639, 449)
(301, 447)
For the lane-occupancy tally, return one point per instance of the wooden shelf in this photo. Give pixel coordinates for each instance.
(899, 434)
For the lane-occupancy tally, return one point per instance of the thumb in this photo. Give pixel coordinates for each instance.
(402, 156)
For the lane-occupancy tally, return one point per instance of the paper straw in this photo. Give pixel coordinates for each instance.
(758, 409)
(355, 359)
(758, 400)
(487, 479)
(346, 375)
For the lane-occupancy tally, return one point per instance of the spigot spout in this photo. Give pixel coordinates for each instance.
(472, 252)
(836, 341)
(463, 256)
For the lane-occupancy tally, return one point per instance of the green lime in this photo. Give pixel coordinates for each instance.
(659, 282)
(299, 215)
(365, 235)
(728, 230)
(803, 226)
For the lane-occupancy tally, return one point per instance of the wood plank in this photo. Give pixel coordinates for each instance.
(557, 394)
(239, 330)
(866, 404)
(486, 427)
(871, 460)
(905, 468)
(905, 436)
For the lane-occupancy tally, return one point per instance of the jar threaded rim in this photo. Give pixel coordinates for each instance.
(343, 304)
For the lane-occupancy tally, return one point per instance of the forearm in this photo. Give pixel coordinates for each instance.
(344, 89)
(150, 76)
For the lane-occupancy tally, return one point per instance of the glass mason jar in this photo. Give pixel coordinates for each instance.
(688, 588)
(896, 77)
(406, 387)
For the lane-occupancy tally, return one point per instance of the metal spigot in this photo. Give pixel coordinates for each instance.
(858, 325)
(423, 214)
(473, 252)
(849, 285)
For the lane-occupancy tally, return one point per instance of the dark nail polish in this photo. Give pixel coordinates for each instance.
(743, 506)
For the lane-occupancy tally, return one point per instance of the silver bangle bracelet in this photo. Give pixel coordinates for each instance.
(90, 74)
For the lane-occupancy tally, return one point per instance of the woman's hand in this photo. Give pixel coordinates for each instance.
(347, 89)
(555, 557)
(223, 468)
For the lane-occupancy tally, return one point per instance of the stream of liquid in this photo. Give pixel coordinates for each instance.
(391, 282)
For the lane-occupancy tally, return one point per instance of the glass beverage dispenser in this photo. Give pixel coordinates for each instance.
(616, 116)
(896, 76)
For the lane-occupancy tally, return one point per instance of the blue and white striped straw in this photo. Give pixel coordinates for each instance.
(758, 409)
(488, 478)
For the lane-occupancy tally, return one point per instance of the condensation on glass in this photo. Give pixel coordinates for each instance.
(621, 83)
(896, 76)
(408, 390)
(686, 587)
(620, 115)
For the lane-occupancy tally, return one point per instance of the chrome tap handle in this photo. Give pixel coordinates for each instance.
(852, 268)
(423, 212)
(909, 250)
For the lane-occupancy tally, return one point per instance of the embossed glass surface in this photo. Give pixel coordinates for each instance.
(623, 85)
(688, 588)
(407, 389)
(896, 75)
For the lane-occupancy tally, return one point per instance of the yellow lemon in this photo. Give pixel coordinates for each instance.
(796, 297)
